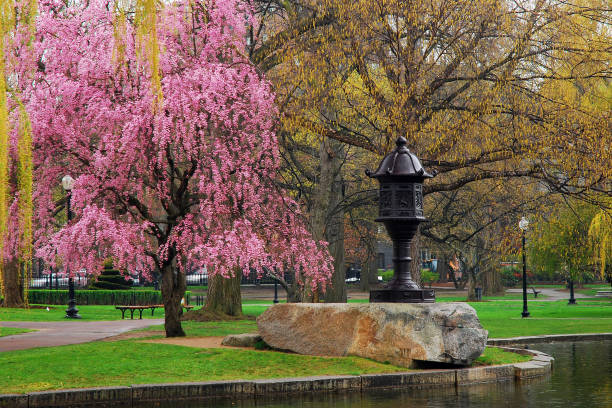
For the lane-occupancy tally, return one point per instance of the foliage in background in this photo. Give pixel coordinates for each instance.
(510, 276)
(600, 237)
(558, 242)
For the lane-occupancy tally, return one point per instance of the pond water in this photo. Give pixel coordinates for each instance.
(582, 377)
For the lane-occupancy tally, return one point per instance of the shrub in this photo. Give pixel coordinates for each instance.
(429, 277)
(111, 279)
(386, 275)
(510, 276)
(98, 297)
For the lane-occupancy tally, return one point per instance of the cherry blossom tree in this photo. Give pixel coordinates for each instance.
(172, 144)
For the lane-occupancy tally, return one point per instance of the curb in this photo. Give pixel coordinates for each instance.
(144, 395)
(549, 338)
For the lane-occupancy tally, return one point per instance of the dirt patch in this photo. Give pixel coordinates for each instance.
(135, 335)
(199, 342)
(208, 316)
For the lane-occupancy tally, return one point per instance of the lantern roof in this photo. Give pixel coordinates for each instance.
(400, 163)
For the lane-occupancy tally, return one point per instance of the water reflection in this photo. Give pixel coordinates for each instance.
(582, 377)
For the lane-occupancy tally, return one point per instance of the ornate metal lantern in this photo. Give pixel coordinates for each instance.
(401, 177)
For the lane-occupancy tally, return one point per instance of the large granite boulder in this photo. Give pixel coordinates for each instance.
(395, 332)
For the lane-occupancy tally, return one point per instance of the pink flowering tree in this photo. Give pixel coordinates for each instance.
(168, 177)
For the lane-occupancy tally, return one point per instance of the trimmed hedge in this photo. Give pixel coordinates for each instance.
(98, 297)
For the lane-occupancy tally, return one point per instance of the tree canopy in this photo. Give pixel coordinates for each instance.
(171, 175)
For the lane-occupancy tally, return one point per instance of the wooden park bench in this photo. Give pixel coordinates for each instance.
(604, 293)
(535, 292)
(132, 309)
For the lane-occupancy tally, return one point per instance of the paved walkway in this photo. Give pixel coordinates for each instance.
(51, 334)
(550, 293)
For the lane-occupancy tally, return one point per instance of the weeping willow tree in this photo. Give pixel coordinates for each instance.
(17, 27)
(600, 237)
(146, 23)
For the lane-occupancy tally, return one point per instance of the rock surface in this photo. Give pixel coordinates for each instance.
(395, 332)
(241, 340)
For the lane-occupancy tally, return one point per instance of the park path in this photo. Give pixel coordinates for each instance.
(550, 293)
(50, 334)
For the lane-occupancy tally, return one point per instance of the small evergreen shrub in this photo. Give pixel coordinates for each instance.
(428, 277)
(111, 279)
(510, 276)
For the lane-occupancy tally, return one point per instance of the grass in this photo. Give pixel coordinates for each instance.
(496, 356)
(56, 313)
(126, 362)
(9, 331)
(503, 319)
(129, 362)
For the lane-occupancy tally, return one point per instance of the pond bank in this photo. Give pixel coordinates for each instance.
(146, 395)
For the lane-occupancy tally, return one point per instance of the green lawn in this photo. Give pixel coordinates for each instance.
(100, 364)
(128, 362)
(503, 319)
(56, 313)
(9, 331)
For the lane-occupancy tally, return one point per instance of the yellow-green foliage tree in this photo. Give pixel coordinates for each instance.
(600, 237)
(482, 90)
(16, 34)
(559, 241)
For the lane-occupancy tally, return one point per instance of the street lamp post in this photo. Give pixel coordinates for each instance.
(523, 224)
(572, 299)
(275, 292)
(72, 312)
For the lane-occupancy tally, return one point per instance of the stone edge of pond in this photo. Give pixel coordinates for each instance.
(144, 395)
(550, 338)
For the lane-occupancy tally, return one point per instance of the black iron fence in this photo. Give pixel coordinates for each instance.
(54, 281)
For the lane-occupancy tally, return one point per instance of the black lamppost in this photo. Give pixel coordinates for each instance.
(523, 224)
(275, 291)
(72, 312)
(401, 177)
(572, 299)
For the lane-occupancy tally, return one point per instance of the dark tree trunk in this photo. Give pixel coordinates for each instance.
(491, 282)
(12, 285)
(443, 269)
(327, 220)
(369, 271)
(294, 293)
(336, 293)
(471, 285)
(223, 295)
(173, 290)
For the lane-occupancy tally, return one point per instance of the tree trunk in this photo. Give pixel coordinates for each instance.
(12, 285)
(328, 217)
(173, 290)
(294, 293)
(471, 286)
(443, 269)
(223, 294)
(369, 271)
(415, 254)
(491, 282)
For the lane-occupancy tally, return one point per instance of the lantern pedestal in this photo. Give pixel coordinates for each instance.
(401, 177)
(402, 296)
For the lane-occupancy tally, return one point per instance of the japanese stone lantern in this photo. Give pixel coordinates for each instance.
(401, 177)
